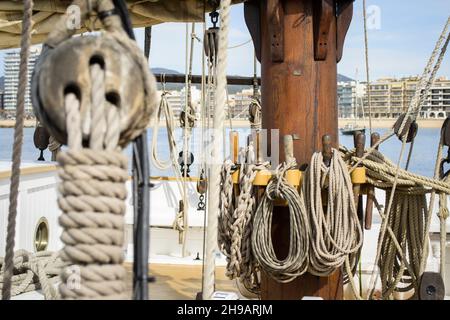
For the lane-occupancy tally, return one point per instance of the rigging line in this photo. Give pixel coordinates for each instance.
(413, 104)
(214, 181)
(203, 162)
(17, 148)
(185, 140)
(384, 224)
(240, 44)
(366, 53)
(430, 81)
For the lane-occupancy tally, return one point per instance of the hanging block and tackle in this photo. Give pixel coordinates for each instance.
(41, 140)
(96, 94)
(410, 127)
(211, 37)
(64, 67)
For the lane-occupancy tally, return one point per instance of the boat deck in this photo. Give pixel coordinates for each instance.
(175, 282)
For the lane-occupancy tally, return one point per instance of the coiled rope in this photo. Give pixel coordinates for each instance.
(225, 219)
(39, 271)
(165, 109)
(296, 261)
(403, 252)
(407, 221)
(235, 223)
(336, 233)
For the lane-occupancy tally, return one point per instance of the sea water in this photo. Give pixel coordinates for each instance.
(422, 160)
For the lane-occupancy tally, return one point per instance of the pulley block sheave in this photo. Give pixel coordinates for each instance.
(64, 67)
(211, 38)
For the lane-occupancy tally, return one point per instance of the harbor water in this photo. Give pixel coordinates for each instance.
(422, 160)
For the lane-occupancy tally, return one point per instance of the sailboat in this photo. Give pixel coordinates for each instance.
(352, 129)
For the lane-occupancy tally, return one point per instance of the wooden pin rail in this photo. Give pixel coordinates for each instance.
(197, 79)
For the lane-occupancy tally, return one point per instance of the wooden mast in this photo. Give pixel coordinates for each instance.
(299, 43)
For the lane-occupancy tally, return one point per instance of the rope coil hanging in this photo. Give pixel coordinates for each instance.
(336, 233)
(297, 259)
(39, 271)
(235, 222)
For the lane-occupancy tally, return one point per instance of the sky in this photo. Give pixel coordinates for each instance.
(402, 35)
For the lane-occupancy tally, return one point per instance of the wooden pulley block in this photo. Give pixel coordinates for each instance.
(410, 129)
(431, 287)
(445, 132)
(201, 184)
(41, 138)
(64, 67)
(211, 43)
(253, 109)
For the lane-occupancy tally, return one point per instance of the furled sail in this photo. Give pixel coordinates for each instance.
(47, 12)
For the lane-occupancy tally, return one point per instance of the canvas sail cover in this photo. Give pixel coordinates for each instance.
(47, 12)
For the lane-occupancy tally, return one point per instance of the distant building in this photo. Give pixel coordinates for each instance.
(236, 108)
(11, 64)
(390, 97)
(177, 98)
(349, 94)
(1, 100)
(239, 104)
(438, 102)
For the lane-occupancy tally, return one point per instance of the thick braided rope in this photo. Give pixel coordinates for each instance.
(240, 220)
(17, 147)
(33, 272)
(296, 261)
(335, 234)
(214, 178)
(91, 196)
(240, 261)
(381, 171)
(225, 219)
(92, 193)
(385, 172)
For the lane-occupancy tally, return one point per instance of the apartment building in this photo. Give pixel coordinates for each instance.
(177, 98)
(239, 104)
(349, 94)
(1, 100)
(390, 97)
(11, 65)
